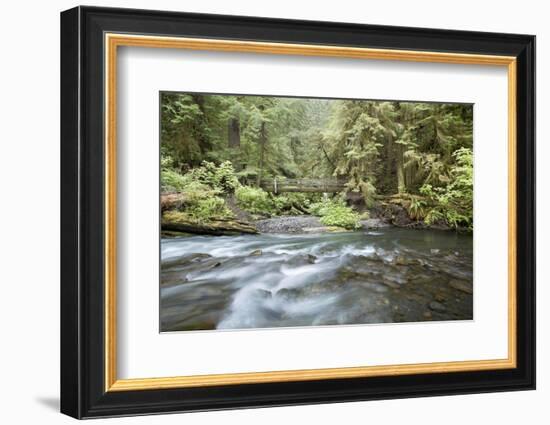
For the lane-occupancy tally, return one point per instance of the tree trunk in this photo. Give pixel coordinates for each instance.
(203, 141)
(234, 133)
(401, 186)
(263, 141)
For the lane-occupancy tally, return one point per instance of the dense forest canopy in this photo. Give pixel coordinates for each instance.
(419, 150)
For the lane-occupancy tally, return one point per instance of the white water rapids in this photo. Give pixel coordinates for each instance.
(258, 281)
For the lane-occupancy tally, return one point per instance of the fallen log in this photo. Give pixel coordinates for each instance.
(172, 201)
(180, 222)
(303, 185)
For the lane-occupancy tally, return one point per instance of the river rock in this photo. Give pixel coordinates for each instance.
(437, 306)
(186, 259)
(389, 282)
(401, 260)
(372, 286)
(288, 224)
(173, 279)
(399, 215)
(173, 234)
(462, 285)
(301, 260)
(263, 293)
(373, 223)
(190, 266)
(205, 321)
(255, 253)
(288, 294)
(440, 297)
(395, 276)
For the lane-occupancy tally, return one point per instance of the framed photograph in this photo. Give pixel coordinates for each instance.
(261, 212)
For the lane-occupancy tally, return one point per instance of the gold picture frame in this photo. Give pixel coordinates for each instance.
(114, 41)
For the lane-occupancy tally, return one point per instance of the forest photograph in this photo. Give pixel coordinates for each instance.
(294, 212)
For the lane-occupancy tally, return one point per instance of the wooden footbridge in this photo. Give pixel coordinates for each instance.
(327, 185)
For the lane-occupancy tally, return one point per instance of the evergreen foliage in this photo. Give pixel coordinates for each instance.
(453, 202)
(227, 144)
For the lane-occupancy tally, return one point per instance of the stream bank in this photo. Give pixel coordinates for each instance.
(391, 211)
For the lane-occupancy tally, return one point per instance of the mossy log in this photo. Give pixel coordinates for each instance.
(176, 221)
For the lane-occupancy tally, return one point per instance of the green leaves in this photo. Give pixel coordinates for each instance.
(378, 147)
(172, 181)
(219, 177)
(335, 213)
(254, 200)
(453, 202)
(257, 201)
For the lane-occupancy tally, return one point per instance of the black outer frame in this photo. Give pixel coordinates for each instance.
(82, 212)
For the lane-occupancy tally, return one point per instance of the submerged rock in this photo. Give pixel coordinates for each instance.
(184, 269)
(390, 283)
(462, 285)
(301, 260)
(288, 294)
(186, 259)
(440, 297)
(173, 234)
(263, 293)
(311, 258)
(402, 261)
(255, 253)
(437, 306)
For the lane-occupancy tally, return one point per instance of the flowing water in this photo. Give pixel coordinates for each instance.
(257, 281)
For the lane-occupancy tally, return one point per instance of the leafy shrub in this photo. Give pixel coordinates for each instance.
(197, 190)
(254, 200)
(335, 213)
(171, 181)
(219, 177)
(417, 208)
(166, 161)
(202, 202)
(341, 216)
(292, 203)
(319, 208)
(434, 215)
(208, 208)
(453, 203)
(280, 204)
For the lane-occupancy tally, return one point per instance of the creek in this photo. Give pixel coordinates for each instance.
(385, 275)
